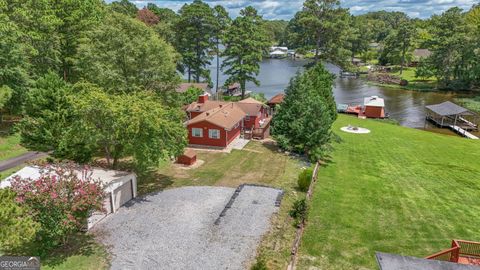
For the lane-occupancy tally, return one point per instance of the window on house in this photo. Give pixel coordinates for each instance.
(214, 134)
(247, 118)
(197, 132)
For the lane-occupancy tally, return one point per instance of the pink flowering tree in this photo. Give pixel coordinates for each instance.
(61, 200)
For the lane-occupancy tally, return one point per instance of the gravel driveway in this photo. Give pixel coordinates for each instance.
(181, 229)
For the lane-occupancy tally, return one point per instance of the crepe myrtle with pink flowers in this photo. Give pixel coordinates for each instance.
(61, 200)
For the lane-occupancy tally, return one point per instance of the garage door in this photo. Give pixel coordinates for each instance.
(123, 194)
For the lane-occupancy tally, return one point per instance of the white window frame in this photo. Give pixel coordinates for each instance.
(195, 135)
(210, 134)
(247, 118)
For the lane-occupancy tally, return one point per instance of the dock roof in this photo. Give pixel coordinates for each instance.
(449, 108)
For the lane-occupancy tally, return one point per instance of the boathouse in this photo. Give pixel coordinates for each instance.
(450, 115)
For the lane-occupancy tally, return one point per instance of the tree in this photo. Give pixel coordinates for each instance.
(303, 122)
(60, 201)
(47, 115)
(276, 31)
(124, 7)
(53, 29)
(123, 55)
(195, 29)
(190, 95)
(5, 96)
(134, 125)
(424, 70)
(167, 21)
(222, 22)
(17, 227)
(325, 24)
(14, 78)
(245, 42)
(147, 17)
(398, 44)
(359, 35)
(454, 47)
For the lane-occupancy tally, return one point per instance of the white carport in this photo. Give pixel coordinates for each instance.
(120, 187)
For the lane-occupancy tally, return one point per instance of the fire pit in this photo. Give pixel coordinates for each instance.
(355, 130)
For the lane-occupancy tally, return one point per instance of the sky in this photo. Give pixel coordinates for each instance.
(285, 9)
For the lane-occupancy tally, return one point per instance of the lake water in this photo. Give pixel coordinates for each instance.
(406, 107)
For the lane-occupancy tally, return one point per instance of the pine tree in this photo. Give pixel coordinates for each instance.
(245, 42)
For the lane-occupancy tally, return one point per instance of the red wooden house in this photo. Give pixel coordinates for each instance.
(217, 123)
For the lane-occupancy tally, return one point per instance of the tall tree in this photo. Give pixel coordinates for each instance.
(222, 22)
(325, 22)
(125, 7)
(137, 125)
(195, 29)
(245, 42)
(124, 55)
(47, 113)
(147, 17)
(399, 44)
(14, 64)
(303, 122)
(359, 35)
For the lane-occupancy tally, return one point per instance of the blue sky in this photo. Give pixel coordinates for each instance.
(285, 9)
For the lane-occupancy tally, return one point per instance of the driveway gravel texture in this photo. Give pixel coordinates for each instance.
(181, 229)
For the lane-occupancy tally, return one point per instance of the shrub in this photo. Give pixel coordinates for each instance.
(61, 201)
(304, 179)
(299, 210)
(17, 227)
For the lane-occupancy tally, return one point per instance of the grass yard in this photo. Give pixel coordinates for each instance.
(397, 190)
(10, 147)
(470, 103)
(257, 163)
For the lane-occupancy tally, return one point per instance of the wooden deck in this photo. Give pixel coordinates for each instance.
(462, 126)
(461, 251)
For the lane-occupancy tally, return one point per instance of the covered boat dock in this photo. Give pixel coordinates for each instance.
(450, 115)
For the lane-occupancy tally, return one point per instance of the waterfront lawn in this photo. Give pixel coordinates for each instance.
(10, 146)
(257, 163)
(415, 83)
(396, 190)
(470, 103)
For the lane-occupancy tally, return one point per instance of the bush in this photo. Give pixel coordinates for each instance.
(304, 179)
(17, 227)
(299, 210)
(60, 201)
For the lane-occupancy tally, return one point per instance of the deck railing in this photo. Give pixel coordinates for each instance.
(460, 248)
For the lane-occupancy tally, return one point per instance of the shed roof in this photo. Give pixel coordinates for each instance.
(448, 108)
(397, 262)
(374, 101)
(189, 153)
(110, 178)
(226, 116)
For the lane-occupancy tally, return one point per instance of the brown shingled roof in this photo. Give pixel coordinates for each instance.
(203, 107)
(250, 106)
(226, 116)
(277, 99)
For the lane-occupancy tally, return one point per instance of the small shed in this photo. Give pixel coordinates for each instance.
(120, 187)
(189, 157)
(373, 107)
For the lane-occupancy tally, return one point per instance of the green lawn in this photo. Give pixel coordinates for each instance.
(397, 190)
(10, 147)
(470, 103)
(257, 164)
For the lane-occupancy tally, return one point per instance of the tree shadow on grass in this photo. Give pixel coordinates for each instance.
(152, 181)
(80, 244)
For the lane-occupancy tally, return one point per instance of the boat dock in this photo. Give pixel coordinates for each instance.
(463, 132)
(450, 115)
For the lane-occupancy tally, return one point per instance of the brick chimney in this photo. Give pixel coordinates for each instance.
(203, 98)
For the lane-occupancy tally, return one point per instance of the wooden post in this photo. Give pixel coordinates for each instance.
(455, 122)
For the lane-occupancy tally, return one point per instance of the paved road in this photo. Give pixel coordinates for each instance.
(176, 229)
(19, 160)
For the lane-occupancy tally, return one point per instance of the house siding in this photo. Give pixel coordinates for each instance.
(226, 137)
(374, 112)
